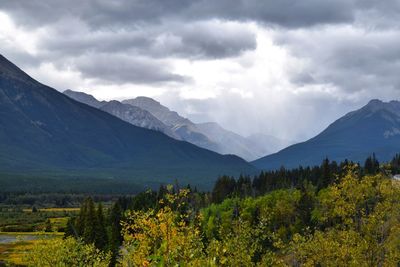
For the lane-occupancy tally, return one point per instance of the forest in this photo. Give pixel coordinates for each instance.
(335, 214)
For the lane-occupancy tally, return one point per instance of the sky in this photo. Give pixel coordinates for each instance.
(287, 68)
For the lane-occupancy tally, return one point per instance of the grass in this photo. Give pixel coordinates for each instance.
(33, 233)
(13, 253)
(59, 223)
(22, 219)
(54, 210)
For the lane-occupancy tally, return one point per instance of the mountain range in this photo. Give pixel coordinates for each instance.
(44, 133)
(48, 138)
(208, 135)
(375, 128)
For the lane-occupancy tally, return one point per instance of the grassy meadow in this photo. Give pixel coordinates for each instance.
(21, 227)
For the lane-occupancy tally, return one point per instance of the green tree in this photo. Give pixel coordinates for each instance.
(70, 230)
(89, 222)
(371, 165)
(100, 229)
(115, 229)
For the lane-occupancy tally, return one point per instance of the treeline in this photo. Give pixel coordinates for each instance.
(61, 200)
(319, 176)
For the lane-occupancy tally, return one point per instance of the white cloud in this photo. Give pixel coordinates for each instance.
(13, 37)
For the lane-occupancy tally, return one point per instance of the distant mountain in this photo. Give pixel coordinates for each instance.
(132, 114)
(375, 128)
(184, 128)
(161, 112)
(250, 148)
(84, 98)
(210, 135)
(44, 133)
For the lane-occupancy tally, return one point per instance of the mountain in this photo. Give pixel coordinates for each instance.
(84, 98)
(182, 127)
(210, 135)
(44, 133)
(131, 114)
(161, 112)
(249, 148)
(375, 128)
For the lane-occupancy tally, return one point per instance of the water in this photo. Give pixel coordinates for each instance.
(7, 239)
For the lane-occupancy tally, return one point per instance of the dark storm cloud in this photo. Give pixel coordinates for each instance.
(104, 13)
(214, 40)
(352, 59)
(124, 69)
(197, 40)
(151, 30)
(162, 29)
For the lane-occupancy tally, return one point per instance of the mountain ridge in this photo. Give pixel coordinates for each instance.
(131, 114)
(374, 128)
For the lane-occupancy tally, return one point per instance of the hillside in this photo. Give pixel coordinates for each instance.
(375, 128)
(47, 134)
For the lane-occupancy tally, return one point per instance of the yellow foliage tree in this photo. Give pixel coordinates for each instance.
(164, 237)
(360, 218)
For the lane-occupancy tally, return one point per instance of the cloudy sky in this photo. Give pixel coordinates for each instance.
(283, 67)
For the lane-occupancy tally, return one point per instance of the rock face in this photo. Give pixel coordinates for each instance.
(375, 128)
(183, 128)
(45, 132)
(170, 118)
(136, 116)
(132, 114)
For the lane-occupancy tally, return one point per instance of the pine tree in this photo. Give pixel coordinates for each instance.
(89, 225)
(80, 221)
(115, 235)
(100, 231)
(395, 164)
(327, 178)
(371, 165)
(70, 229)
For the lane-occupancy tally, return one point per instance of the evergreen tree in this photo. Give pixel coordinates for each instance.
(89, 225)
(100, 233)
(80, 221)
(115, 235)
(327, 177)
(306, 202)
(225, 186)
(395, 164)
(70, 229)
(371, 165)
